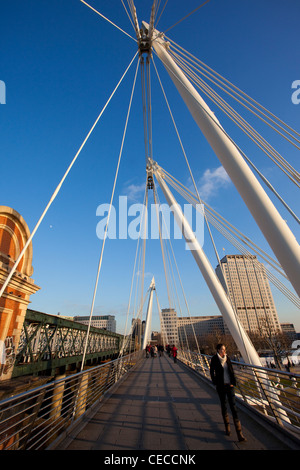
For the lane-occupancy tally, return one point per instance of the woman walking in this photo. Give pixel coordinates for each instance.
(223, 377)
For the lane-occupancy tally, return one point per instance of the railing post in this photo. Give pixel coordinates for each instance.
(270, 400)
(33, 418)
(57, 398)
(202, 365)
(81, 395)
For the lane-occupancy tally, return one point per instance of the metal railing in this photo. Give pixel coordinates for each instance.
(271, 392)
(38, 418)
(34, 419)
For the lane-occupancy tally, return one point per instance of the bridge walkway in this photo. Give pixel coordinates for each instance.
(164, 406)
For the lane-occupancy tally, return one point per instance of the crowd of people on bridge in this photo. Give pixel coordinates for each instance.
(158, 351)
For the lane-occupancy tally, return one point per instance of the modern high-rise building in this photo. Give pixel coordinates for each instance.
(169, 326)
(105, 322)
(199, 326)
(138, 330)
(244, 279)
(289, 330)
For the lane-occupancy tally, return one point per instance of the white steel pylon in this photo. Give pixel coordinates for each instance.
(149, 315)
(276, 231)
(237, 331)
(239, 335)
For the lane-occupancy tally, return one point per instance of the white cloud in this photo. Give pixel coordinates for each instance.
(146, 274)
(135, 193)
(212, 181)
(208, 186)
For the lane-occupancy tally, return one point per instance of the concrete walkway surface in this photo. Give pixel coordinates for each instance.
(163, 406)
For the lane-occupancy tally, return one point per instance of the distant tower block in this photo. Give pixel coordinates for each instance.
(249, 290)
(14, 234)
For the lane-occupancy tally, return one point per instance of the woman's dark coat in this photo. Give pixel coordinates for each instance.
(217, 371)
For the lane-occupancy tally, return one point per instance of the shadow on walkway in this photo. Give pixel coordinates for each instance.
(163, 406)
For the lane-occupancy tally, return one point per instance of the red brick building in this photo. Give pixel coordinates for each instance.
(14, 234)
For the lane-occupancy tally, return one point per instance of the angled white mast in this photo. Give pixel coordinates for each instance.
(245, 346)
(149, 315)
(276, 231)
(237, 331)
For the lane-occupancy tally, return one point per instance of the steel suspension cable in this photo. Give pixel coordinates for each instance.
(158, 170)
(162, 324)
(191, 13)
(108, 219)
(196, 189)
(187, 162)
(149, 103)
(132, 280)
(170, 267)
(195, 186)
(292, 297)
(188, 194)
(234, 89)
(109, 21)
(144, 104)
(188, 68)
(162, 247)
(242, 123)
(163, 9)
(144, 247)
(181, 284)
(54, 195)
(128, 338)
(130, 19)
(234, 143)
(135, 19)
(266, 147)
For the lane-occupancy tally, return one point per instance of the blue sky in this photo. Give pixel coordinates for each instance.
(60, 62)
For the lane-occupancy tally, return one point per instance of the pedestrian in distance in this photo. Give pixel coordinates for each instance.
(174, 353)
(223, 378)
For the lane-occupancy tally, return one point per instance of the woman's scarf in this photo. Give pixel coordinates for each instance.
(224, 364)
(222, 359)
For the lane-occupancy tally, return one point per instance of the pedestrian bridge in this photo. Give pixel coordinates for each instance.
(139, 403)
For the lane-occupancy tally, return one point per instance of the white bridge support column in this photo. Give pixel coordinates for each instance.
(149, 315)
(276, 231)
(238, 333)
(244, 344)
